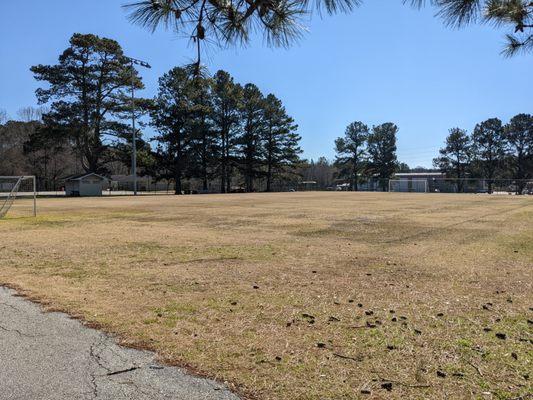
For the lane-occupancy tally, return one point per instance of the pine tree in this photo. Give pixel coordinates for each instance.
(489, 147)
(252, 130)
(171, 116)
(455, 156)
(227, 22)
(203, 143)
(351, 151)
(89, 91)
(382, 151)
(280, 139)
(227, 97)
(515, 14)
(519, 136)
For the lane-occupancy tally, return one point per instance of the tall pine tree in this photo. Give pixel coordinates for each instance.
(89, 91)
(455, 157)
(382, 151)
(174, 109)
(226, 100)
(280, 139)
(250, 141)
(351, 151)
(519, 136)
(489, 147)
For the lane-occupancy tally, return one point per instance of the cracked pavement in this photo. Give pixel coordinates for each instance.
(49, 356)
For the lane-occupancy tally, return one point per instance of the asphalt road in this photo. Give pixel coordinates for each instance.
(48, 356)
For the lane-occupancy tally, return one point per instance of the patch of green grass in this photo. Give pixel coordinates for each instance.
(147, 251)
(176, 308)
(465, 343)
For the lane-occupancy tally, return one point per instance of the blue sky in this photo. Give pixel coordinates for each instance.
(383, 62)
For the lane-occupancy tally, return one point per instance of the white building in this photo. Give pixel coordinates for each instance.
(90, 184)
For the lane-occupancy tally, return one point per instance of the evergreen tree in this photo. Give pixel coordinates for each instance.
(351, 151)
(280, 139)
(203, 143)
(519, 135)
(489, 147)
(226, 22)
(382, 151)
(515, 14)
(171, 115)
(455, 157)
(89, 90)
(250, 140)
(227, 97)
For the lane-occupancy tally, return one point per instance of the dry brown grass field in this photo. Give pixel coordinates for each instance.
(298, 295)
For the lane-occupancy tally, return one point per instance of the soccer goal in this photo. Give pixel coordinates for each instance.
(18, 196)
(408, 185)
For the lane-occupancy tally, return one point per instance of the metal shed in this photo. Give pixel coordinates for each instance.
(90, 184)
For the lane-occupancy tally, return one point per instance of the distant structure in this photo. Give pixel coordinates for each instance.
(90, 184)
(143, 183)
(417, 181)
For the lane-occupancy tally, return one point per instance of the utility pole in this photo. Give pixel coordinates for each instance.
(144, 64)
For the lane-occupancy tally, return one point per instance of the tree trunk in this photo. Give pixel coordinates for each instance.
(459, 177)
(269, 179)
(269, 173)
(520, 175)
(177, 168)
(354, 175)
(204, 163)
(228, 178)
(177, 179)
(223, 172)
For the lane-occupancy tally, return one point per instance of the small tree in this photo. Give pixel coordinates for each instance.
(489, 147)
(455, 157)
(351, 152)
(382, 151)
(519, 136)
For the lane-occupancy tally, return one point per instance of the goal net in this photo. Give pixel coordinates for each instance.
(408, 185)
(17, 196)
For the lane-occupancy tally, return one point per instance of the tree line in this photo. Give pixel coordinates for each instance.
(212, 127)
(492, 151)
(208, 128)
(214, 131)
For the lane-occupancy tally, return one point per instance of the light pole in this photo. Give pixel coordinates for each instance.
(144, 64)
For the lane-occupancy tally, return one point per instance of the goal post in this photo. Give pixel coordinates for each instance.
(18, 196)
(408, 185)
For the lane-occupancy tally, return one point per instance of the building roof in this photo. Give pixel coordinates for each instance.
(83, 176)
